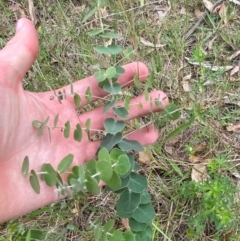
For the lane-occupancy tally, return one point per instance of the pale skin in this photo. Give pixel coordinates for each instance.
(19, 108)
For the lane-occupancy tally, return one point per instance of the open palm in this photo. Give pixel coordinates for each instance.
(19, 108)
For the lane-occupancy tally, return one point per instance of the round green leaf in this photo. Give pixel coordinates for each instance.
(65, 163)
(87, 125)
(136, 226)
(144, 213)
(34, 182)
(127, 145)
(104, 155)
(100, 75)
(78, 133)
(125, 181)
(114, 182)
(145, 238)
(110, 104)
(76, 185)
(116, 236)
(147, 231)
(120, 111)
(111, 72)
(115, 153)
(66, 131)
(123, 214)
(137, 183)
(123, 165)
(79, 173)
(111, 49)
(145, 197)
(92, 185)
(109, 141)
(88, 95)
(90, 166)
(37, 124)
(77, 100)
(129, 236)
(49, 175)
(172, 112)
(105, 170)
(120, 69)
(113, 126)
(25, 166)
(128, 201)
(112, 88)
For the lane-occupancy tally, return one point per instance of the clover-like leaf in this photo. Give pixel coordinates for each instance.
(77, 100)
(129, 236)
(127, 145)
(87, 126)
(110, 104)
(25, 166)
(104, 155)
(111, 72)
(115, 153)
(49, 175)
(137, 183)
(128, 201)
(92, 185)
(109, 141)
(65, 163)
(116, 235)
(145, 197)
(123, 165)
(100, 75)
(113, 126)
(78, 133)
(90, 166)
(34, 182)
(114, 88)
(79, 173)
(36, 124)
(144, 213)
(136, 226)
(147, 232)
(104, 169)
(120, 111)
(66, 131)
(76, 185)
(127, 100)
(114, 182)
(88, 95)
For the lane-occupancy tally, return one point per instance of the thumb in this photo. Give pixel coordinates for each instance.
(20, 52)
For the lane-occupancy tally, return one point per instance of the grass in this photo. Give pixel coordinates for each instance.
(66, 54)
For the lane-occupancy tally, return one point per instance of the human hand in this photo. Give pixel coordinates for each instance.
(19, 108)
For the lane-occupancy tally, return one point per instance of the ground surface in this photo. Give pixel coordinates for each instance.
(191, 70)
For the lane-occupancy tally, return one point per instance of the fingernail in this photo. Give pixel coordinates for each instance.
(20, 24)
